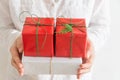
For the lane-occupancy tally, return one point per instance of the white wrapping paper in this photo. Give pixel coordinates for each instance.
(44, 65)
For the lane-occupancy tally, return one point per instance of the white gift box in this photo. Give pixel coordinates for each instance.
(44, 65)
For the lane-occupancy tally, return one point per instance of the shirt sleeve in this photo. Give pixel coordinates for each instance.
(8, 32)
(98, 29)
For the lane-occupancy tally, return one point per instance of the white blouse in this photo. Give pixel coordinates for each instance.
(96, 13)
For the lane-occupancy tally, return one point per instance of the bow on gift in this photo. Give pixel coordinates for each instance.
(69, 28)
(37, 23)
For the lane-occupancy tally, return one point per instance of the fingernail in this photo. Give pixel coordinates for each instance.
(20, 65)
(22, 71)
(21, 74)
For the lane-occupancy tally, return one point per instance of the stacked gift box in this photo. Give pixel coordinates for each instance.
(48, 50)
(37, 37)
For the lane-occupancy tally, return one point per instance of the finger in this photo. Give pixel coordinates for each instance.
(19, 65)
(16, 56)
(21, 72)
(14, 51)
(89, 49)
(14, 65)
(18, 62)
(20, 48)
(86, 65)
(78, 76)
(91, 58)
(19, 69)
(83, 71)
(19, 44)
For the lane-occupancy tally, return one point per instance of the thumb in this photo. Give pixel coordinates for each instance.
(19, 44)
(89, 51)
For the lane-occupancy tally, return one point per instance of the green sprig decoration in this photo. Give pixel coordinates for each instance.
(68, 28)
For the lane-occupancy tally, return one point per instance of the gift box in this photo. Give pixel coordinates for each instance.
(48, 66)
(71, 37)
(37, 37)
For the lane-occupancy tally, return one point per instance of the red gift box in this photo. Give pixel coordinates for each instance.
(71, 43)
(37, 37)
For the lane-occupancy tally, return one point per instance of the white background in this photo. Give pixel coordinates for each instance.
(107, 65)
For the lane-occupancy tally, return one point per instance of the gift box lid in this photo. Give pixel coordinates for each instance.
(40, 20)
(79, 27)
(77, 22)
(45, 25)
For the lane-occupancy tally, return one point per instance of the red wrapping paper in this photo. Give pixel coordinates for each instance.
(63, 40)
(46, 27)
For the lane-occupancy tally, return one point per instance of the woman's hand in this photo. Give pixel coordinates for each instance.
(16, 53)
(85, 67)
